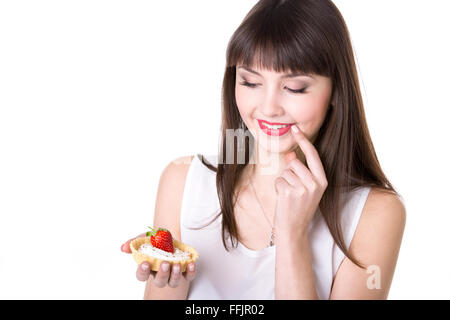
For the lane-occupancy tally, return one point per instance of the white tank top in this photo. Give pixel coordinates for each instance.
(242, 273)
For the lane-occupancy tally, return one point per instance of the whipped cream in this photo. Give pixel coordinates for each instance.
(148, 249)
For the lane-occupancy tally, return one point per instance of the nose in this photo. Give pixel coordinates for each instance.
(271, 107)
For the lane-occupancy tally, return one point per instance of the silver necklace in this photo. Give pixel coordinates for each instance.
(272, 234)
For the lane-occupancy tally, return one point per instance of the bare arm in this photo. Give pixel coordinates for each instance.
(167, 284)
(167, 215)
(376, 244)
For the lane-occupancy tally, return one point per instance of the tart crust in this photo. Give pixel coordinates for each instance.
(155, 262)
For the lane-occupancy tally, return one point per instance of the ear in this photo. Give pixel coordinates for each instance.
(333, 100)
(334, 96)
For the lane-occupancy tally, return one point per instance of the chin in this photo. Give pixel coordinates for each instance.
(276, 147)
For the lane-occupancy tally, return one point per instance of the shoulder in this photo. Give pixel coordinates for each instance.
(174, 175)
(381, 224)
(177, 169)
(183, 161)
(379, 232)
(376, 244)
(383, 209)
(170, 194)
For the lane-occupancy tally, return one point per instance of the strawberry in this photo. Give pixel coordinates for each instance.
(161, 239)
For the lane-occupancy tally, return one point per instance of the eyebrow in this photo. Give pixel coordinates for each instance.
(284, 76)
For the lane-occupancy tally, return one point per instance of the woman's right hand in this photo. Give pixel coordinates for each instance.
(164, 276)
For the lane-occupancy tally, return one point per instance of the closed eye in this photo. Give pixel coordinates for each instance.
(254, 85)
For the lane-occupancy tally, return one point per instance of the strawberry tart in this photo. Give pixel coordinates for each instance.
(159, 246)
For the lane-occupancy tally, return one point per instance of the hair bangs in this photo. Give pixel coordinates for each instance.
(267, 42)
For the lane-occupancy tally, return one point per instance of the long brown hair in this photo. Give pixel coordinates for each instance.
(310, 36)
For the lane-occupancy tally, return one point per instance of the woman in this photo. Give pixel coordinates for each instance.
(301, 209)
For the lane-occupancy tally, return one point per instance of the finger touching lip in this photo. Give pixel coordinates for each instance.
(310, 152)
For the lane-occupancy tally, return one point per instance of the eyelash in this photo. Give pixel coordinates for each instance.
(253, 85)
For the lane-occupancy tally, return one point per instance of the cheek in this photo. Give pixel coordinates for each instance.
(243, 100)
(310, 113)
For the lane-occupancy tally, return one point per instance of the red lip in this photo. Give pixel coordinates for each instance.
(274, 132)
(274, 123)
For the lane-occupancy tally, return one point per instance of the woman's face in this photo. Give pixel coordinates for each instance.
(264, 95)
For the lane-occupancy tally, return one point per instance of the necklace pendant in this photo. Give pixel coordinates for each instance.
(272, 238)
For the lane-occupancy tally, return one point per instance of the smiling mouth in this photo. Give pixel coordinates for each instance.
(274, 129)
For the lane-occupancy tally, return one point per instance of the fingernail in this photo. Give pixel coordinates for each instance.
(122, 247)
(191, 267)
(165, 267)
(176, 269)
(295, 129)
(144, 266)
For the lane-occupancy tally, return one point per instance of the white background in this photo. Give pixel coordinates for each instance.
(97, 97)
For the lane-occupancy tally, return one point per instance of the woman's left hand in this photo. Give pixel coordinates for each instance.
(299, 190)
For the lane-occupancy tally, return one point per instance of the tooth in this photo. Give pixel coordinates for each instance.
(275, 127)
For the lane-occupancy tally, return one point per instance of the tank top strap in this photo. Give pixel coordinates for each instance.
(350, 216)
(351, 213)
